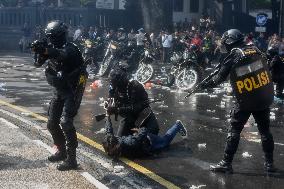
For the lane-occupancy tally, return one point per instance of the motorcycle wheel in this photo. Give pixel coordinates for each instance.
(188, 78)
(105, 67)
(144, 73)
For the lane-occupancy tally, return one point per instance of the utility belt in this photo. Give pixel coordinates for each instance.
(73, 80)
(55, 79)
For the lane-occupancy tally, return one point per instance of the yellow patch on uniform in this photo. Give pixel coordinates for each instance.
(249, 84)
(82, 80)
(250, 52)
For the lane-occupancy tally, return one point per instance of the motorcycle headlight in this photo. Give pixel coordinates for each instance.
(89, 45)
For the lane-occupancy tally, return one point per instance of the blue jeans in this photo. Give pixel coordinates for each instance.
(158, 142)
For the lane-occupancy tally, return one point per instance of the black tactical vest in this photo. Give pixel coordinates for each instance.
(64, 74)
(251, 80)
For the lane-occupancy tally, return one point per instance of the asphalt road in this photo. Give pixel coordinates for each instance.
(186, 162)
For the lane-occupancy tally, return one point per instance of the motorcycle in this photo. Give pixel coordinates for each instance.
(145, 70)
(185, 71)
(111, 57)
(92, 54)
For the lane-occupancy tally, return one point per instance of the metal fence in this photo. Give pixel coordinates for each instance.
(16, 17)
(12, 20)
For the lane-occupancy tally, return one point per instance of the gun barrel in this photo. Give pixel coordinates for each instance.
(217, 70)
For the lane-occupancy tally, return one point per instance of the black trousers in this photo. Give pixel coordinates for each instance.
(279, 88)
(62, 110)
(238, 120)
(166, 54)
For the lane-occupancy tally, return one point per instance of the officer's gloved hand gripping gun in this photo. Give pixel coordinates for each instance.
(38, 47)
(114, 109)
(204, 81)
(107, 106)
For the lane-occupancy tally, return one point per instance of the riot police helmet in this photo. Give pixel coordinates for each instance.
(56, 31)
(118, 76)
(231, 39)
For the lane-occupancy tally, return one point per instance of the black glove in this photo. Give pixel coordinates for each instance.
(38, 47)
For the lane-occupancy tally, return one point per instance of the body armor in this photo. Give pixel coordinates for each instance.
(63, 73)
(251, 80)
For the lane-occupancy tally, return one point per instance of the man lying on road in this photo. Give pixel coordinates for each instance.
(141, 142)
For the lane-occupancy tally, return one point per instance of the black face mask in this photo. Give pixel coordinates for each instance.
(118, 78)
(223, 49)
(57, 41)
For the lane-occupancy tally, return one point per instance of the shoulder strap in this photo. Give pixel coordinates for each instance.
(238, 49)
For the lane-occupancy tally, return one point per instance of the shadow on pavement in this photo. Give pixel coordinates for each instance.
(16, 162)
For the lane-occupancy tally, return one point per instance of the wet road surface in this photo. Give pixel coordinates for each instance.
(186, 162)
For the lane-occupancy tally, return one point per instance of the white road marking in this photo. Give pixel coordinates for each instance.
(197, 187)
(21, 119)
(280, 144)
(42, 144)
(86, 175)
(8, 123)
(259, 141)
(94, 181)
(137, 184)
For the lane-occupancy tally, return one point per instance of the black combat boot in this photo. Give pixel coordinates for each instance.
(223, 166)
(60, 155)
(70, 163)
(268, 164)
(269, 167)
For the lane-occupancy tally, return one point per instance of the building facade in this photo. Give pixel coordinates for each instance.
(188, 9)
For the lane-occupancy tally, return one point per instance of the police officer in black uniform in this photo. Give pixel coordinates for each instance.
(252, 86)
(130, 102)
(276, 65)
(66, 73)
